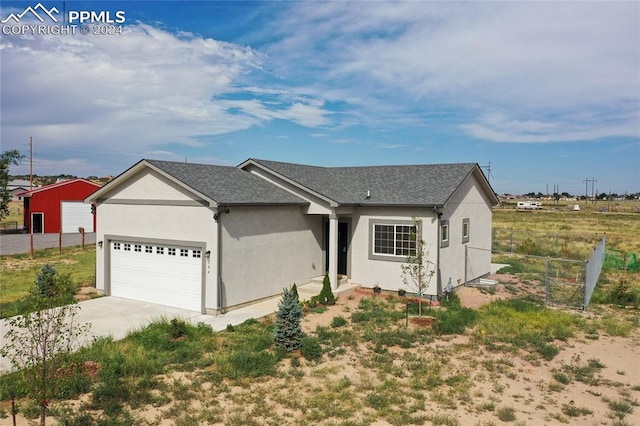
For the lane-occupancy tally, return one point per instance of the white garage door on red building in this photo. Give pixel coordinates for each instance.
(158, 273)
(76, 214)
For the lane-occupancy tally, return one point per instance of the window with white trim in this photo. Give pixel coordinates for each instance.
(394, 240)
(465, 230)
(444, 233)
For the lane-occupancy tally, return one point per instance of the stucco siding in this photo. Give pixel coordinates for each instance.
(468, 203)
(266, 249)
(149, 185)
(387, 273)
(158, 223)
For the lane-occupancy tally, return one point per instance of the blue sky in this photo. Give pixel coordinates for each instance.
(548, 93)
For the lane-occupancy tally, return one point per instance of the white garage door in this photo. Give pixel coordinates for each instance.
(164, 274)
(76, 214)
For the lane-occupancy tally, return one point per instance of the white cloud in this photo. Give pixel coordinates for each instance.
(524, 59)
(134, 92)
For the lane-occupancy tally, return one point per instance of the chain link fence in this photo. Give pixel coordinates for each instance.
(555, 281)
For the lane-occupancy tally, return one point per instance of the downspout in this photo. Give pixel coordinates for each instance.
(438, 241)
(219, 264)
(218, 218)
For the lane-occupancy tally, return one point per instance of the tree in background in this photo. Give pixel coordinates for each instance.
(7, 158)
(419, 269)
(288, 332)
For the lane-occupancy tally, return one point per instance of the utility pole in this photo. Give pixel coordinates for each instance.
(488, 167)
(30, 163)
(588, 181)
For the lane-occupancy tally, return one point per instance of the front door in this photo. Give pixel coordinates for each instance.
(37, 222)
(343, 246)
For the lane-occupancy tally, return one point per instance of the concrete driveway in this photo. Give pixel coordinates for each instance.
(20, 243)
(116, 317)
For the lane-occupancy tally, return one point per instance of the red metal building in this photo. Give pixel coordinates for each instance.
(59, 207)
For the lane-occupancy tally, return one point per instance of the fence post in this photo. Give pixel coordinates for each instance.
(584, 285)
(547, 274)
(511, 242)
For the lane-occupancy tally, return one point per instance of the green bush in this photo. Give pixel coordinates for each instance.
(51, 285)
(177, 328)
(311, 349)
(251, 364)
(338, 321)
(454, 321)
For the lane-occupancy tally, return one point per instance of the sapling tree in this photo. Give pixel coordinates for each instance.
(288, 332)
(419, 269)
(36, 343)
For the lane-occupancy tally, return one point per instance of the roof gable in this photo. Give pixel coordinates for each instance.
(29, 193)
(404, 185)
(219, 185)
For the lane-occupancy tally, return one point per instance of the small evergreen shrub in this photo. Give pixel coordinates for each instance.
(326, 296)
(288, 331)
(294, 291)
(51, 285)
(310, 348)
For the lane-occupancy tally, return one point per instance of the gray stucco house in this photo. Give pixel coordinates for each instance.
(211, 238)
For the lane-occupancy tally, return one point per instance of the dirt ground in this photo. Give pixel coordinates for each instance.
(498, 379)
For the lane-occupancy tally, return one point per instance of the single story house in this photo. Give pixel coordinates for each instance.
(213, 238)
(59, 207)
(17, 187)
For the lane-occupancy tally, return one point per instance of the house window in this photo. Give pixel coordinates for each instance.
(197, 253)
(465, 230)
(127, 247)
(148, 249)
(137, 248)
(160, 250)
(444, 233)
(116, 246)
(184, 252)
(394, 240)
(171, 251)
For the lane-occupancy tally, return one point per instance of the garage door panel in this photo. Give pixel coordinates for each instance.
(163, 274)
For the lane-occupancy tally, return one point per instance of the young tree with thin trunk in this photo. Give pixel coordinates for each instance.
(419, 269)
(36, 343)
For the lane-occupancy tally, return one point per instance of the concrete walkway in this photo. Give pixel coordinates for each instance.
(20, 243)
(117, 317)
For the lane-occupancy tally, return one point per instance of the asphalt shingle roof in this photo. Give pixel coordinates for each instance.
(227, 185)
(425, 185)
